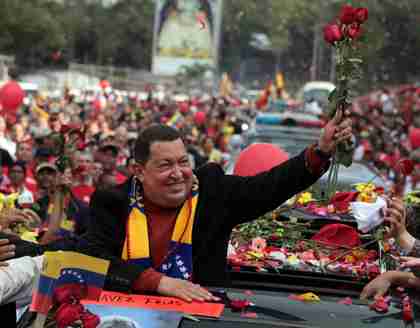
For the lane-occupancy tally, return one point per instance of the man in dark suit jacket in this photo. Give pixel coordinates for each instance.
(166, 180)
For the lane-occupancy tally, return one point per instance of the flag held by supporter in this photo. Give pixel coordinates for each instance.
(65, 270)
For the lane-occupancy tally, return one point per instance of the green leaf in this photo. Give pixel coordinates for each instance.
(332, 95)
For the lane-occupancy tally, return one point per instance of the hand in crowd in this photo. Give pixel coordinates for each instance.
(337, 130)
(377, 287)
(11, 216)
(65, 180)
(380, 285)
(395, 216)
(7, 251)
(409, 262)
(184, 290)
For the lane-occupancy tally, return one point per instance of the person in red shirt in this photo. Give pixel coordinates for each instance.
(82, 176)
(17, 172)
(25, 154)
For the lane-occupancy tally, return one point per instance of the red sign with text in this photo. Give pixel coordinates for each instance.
(213, 310)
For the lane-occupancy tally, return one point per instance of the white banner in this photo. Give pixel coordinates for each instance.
(186, 33)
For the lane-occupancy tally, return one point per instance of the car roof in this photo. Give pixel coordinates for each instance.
(318, 85)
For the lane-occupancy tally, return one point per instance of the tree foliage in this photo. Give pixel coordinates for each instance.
(85, 31)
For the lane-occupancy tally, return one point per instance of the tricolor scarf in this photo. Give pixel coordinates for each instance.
(178, 262)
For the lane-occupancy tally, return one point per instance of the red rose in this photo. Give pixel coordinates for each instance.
(239, 305)
(347, 15)
(372, 255)
(81, 145)
(68, 293)
(90, 320)
(373, 272)
(67, 314)
(354, 31)
(332, 33)
(405, 166)
(361, 15)
(65, 128)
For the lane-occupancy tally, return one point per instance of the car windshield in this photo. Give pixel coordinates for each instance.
(320, 95)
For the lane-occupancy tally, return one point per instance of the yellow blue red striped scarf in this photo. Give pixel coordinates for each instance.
(178, 263)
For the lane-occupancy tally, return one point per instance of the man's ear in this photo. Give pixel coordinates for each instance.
(139, 171)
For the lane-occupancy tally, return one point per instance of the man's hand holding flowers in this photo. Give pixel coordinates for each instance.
(337, 130)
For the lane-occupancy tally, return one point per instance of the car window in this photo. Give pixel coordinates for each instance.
(293, 144)
(316, 94)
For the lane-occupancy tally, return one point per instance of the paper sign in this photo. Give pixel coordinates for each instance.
(160, 303)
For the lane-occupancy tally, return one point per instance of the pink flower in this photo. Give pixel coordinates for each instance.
(380, 305)
(258, 244)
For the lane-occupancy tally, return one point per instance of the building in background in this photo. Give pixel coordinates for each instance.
(5, 63)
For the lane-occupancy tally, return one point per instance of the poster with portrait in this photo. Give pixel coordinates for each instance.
(186, 32)
(122, 317)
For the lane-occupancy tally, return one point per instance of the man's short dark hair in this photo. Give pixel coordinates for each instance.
(13, 73)
(154, 133)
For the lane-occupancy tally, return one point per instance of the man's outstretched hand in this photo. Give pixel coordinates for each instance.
(184, 290)
(337, 130)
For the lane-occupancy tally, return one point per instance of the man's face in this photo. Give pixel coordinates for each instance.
(24, 152)
(46, 179)
(108, 160)
(54, 122)
(167, 176)
(208, 145)
(17, 175)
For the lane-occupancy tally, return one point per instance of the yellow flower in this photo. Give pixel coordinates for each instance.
(305, 198)
(10, 200)
(310, 297)
(367, 197)
(350, 259)
(365, 187)
(29, 236)
(2, 200)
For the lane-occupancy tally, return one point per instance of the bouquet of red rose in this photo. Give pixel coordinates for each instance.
(344, 35)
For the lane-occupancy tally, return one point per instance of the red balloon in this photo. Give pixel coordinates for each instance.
(415, 138)
(257, 158)
(200, 118)
(11, 96)
(104, 84)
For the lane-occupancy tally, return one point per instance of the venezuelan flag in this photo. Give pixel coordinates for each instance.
(65, 269)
